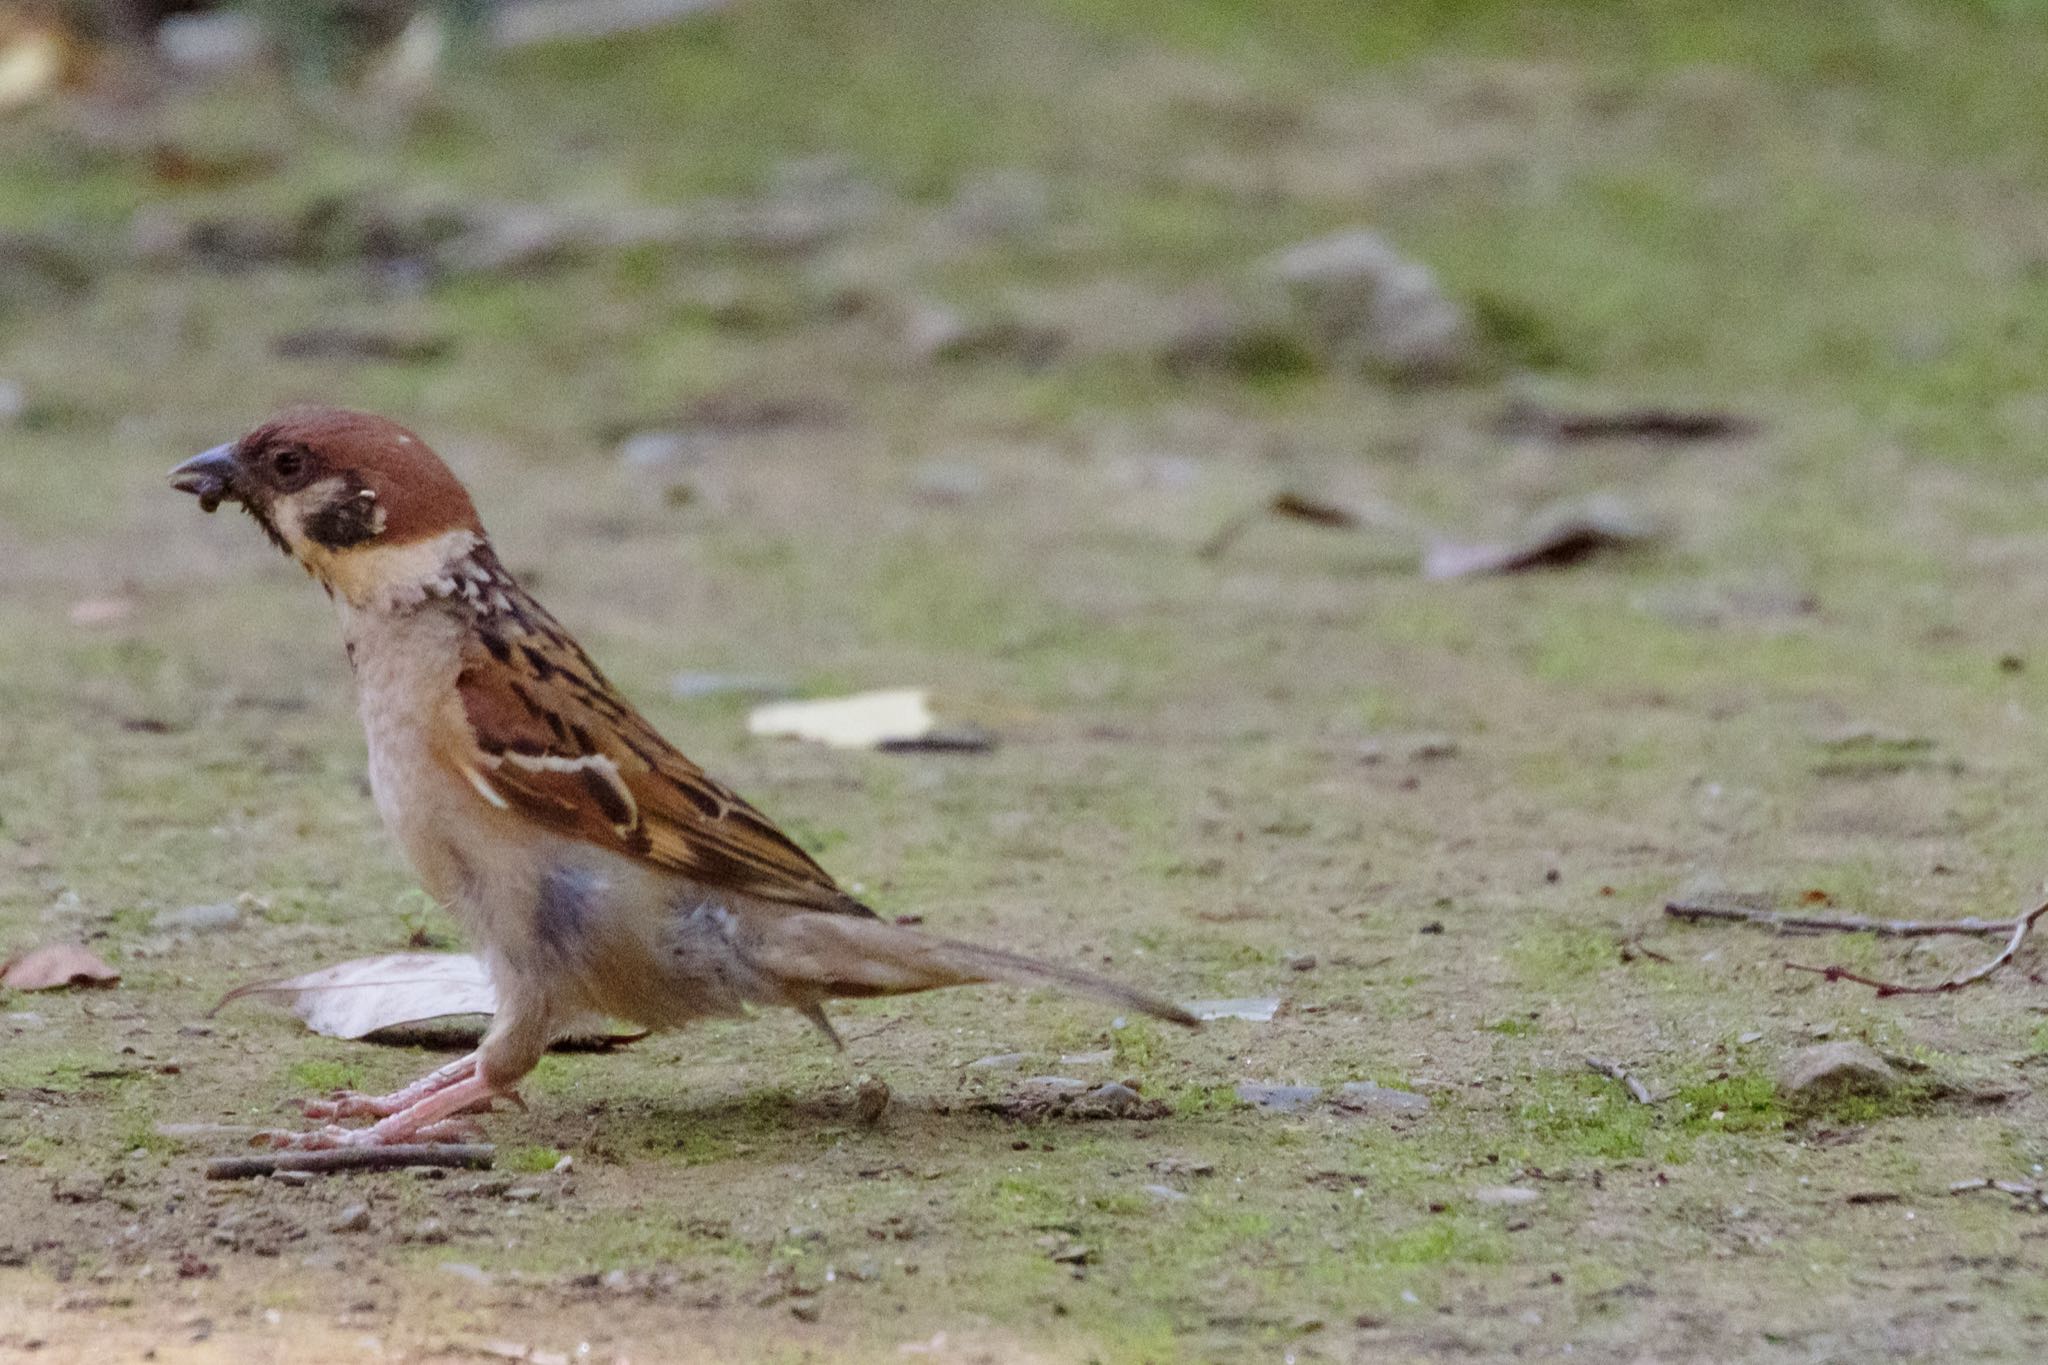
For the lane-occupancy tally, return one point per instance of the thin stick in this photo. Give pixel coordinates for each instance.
(1616, 1071)
(470, 1156)
(1954, 983)
(1848, 924)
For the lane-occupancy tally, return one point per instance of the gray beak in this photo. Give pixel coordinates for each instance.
(208, 476)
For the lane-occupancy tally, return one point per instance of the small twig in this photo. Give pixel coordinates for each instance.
(1955, 983)
(1616, 1071)
(1848, 924)
(2018, 1188)
(472, 1157)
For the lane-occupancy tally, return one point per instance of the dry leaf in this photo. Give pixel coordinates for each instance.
(1561, 538)
(869, 720)
(370, 994)
(351, 999)
(55, 966)
(101, 611)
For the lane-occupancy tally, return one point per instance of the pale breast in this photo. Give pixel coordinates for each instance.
(405, 667)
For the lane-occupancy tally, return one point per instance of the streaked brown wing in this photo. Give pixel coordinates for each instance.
(555, 741)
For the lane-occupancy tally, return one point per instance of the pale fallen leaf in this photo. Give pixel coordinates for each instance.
(54, 966)
(899, 718)
(369, 994)
(101, 611)
(352, 999)
(1559, 538)
(31, 63)
(1257, 1010)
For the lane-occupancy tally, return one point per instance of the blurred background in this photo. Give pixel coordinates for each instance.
(1396, 489)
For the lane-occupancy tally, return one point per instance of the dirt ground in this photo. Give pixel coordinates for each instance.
(963, 356)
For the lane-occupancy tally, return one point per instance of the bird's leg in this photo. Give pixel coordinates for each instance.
(349, 1104)
(426, 1110)
(430, 1118)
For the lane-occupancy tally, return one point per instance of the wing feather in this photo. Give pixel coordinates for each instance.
(554, 740)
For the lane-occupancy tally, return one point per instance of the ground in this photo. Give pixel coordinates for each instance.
(1466, 802)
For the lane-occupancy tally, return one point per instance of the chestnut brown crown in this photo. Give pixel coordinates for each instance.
(325, 481)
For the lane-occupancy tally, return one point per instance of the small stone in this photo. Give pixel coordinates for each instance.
(1506, 1196)
(198, 918)
(354, 1218)
(462, 1270)
(1831, 1070)
(1364, 1097)
(1751, 1037)
(948, 482)
(1107, 1101)
(1278, 1099)
(1101, 1058)
(998, 1061)
(870, 1100)
(1055, 1084)
(804, 1310)
(522, 1194)
(1165, 1194)
(1073, 1253)
(661, 450)
(1306, 962)
(292, 1177)
(1373, 308)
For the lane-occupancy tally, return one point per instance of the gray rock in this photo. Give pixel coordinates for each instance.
(1506, 1196)
(1363, 1097)
(354, 1218)
(1107, 1101)
(1003, 203)
(661, 449)
(1278, 1099)
(1831, 1070)
(1372, 308)
(198, 918)
(1102, 1058)
(1165, 1194)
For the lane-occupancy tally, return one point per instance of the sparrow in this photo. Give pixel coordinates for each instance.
(599, 870)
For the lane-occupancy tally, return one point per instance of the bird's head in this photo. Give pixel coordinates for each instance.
(363, 504)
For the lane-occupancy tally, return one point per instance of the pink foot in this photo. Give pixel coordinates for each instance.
(427, 1113)
(350, 1104)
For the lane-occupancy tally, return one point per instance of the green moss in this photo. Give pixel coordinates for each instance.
(530, 1160)
(319, 1076)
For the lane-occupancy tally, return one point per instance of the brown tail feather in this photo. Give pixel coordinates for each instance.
(838, 955)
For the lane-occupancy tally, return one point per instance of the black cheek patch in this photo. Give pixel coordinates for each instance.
(348, 518)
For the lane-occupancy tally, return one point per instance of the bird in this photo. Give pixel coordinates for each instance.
(600, 871)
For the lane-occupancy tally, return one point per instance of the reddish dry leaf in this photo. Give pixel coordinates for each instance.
(55, 966)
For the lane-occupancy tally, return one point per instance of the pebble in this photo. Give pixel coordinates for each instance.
(1165, 1194)
(998, 1061)
(1374, 308)
(1109, 1100)
(1505, 1195)
(1278, 1099)
(1831, 1069)
(198, 918)
(1102, 1058)
(354, 1218)
(1363, 1097)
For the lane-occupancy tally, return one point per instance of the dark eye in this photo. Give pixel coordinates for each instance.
(288, 464)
